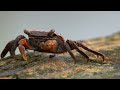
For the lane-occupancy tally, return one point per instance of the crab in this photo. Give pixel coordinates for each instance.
(48, 42)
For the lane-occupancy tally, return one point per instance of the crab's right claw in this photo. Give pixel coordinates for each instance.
(22, 51)
(23, 45)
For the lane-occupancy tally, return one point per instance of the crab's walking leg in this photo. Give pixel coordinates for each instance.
(23, 45)
(15, 45)
(69, 51)
(7, 49)
(81, 52)
(11, 47)
(97, 53)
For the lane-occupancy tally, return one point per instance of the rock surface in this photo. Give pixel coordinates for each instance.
(62, 67)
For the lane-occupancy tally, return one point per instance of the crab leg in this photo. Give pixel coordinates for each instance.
(69, 51)
(23, 45)
(97, 53)
(81, 52)
(15, 45)
(11, 47)
(7, 49)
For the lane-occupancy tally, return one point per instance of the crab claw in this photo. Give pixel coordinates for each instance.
(23, 45)
(22, 51)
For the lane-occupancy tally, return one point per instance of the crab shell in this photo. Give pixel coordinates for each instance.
(39, 33)
(38, 37)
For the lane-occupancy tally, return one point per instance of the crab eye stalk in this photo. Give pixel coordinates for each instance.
(52, 33)
(52, 30)
(27, 32)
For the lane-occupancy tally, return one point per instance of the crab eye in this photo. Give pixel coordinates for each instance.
(54, 35)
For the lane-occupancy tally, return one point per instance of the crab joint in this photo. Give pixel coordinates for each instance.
(24, 43)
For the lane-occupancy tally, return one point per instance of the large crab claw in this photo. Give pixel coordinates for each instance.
(23, 45)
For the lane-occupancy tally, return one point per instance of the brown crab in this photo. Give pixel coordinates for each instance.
(48, 42)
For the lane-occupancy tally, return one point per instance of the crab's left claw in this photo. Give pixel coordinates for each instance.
(23, 45)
